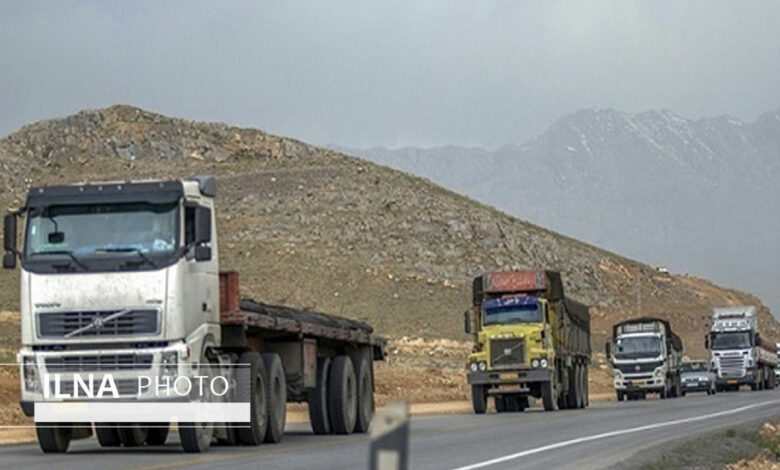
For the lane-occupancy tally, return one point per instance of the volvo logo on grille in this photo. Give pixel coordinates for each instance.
(98, 322)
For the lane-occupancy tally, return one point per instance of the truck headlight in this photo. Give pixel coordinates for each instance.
(535, 363)
(543, 362)
(169, 364)
(30, 374)
(482, 366)
(659, 372)
(473, 367)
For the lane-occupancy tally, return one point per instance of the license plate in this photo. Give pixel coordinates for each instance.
(733, 382)
(637, 382)
(508, 388)
(508, 376)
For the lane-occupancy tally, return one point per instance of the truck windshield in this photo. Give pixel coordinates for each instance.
(528, 313)
(740, 340)
(100, 230)
(638, 347)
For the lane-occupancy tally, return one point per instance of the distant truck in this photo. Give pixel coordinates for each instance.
(646, 357)
(739, 353)
(530, 340)
(122, 279)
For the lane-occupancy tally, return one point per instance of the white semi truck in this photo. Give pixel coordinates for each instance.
(646, 357)
(123, 279)
(738, 352)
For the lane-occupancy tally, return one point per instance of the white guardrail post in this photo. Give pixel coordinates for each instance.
(390, 438)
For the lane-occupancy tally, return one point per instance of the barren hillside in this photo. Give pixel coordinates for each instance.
(314, 228)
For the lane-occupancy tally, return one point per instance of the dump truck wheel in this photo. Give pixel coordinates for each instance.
(53, 439)
(277, 397)
(318, 399)
(620, 395)
(197, 437)
(582, 386)
(157, 435)
(107, 436)
(549, 395)
(573, 397)
(251, 388)
(522, 403)
(132, 435)
(342, 396)
(479, 398)
(365, 395)
(500, 404)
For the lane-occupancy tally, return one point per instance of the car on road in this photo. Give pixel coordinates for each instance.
(697, 376)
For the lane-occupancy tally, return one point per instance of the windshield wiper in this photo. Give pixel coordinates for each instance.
(127, 249)
(62, 252)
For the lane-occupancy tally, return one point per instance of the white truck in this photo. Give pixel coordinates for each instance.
(646, 357)
(738, 352)
(123, 279)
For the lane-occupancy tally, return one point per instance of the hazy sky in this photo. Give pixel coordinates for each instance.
(362, 73)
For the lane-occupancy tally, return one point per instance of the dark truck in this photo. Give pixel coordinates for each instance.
(530, 340)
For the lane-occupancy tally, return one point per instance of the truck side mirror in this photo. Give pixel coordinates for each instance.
(9, 233)
(9, 241)
(608, 349)
(706, 341)
(467, 321)
(202, 225)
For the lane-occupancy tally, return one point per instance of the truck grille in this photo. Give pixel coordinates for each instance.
(507, 353)
(637, 368)
(732, 366)
(94, 324)
(104, 362)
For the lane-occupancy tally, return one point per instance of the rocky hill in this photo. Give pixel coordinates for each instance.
(314, 228)
(696, 195)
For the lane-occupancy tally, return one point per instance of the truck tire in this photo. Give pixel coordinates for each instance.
(318, 399)
(342, 395)
(157, 435)
(277, 397)
(251, 388)
(365, 395)
(572, 397)
(53, 438)
(132, 435)
(197, 437)
(479, 398)
(582, 386)
(620, 395)
(108, 435)
(549, 395)
(500, 403)
(522, 403)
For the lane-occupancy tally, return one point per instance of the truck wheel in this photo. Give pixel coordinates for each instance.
(365, 395)
(620, 395)
(581, 386)
(132, 435)
(251, 388)
(500, 403)
(157, 435)
(318, 399)
(107, 436)
(479, 398)
(53, 439)
(342, 396)
(277, 397)
(522, 403)
(572, 397)
(197, 437)
(549, 395)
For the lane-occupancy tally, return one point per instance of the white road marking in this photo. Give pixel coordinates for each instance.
(606, 435)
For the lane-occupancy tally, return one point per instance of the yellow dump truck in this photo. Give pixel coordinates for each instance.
(530, 340)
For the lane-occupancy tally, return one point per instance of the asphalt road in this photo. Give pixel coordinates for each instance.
(602, 435)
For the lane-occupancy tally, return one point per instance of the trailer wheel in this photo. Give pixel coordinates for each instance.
(197, 437)
(251, 388)
(53, 438)
(342, 396)
(277, 397)
(479, 398)
(318, 399)
(132, 435)
(549, 395)
(107, 436)
(365, 395)
(156, 436)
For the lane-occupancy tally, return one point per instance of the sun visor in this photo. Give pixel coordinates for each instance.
(113, 193)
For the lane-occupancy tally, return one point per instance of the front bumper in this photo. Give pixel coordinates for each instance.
(509, 377)
(130, 385)
(747, 378)
(697, 386)
(631, 384)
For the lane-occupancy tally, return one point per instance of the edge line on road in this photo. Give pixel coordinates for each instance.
(609, 434)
